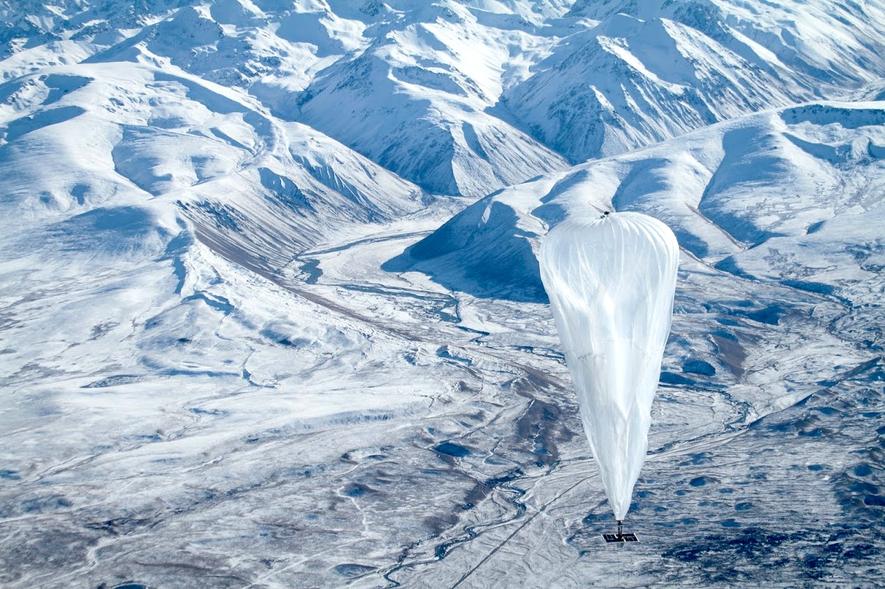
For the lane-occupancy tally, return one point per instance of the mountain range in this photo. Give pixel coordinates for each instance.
(270, 309)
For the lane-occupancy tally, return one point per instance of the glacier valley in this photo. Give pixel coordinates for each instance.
(271, 313)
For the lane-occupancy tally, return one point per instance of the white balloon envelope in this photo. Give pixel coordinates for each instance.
(611, 282)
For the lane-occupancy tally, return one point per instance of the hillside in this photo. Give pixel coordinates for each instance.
(270, 312)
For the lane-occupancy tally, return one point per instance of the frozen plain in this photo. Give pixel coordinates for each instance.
(241, 347)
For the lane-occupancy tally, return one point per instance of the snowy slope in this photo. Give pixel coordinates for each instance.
(417, 100)
(728, 192)
(263, 324)
(437, 67)
(164, 139)
(649, 71)
(467, 97)
(778, 313)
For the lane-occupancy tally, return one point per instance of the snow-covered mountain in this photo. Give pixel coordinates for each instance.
(464, 98)
(270, 312)
(648, 71)
(791, 178)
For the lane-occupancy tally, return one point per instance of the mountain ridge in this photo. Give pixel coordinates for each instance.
(270, 312)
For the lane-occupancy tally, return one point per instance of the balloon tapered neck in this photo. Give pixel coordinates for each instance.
(620, 528)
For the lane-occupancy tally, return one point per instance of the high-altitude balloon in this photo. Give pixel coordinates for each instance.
(611, 282)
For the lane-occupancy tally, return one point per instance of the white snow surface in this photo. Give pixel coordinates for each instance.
(271, 312)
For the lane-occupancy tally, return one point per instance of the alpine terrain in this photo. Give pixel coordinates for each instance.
(271, 313)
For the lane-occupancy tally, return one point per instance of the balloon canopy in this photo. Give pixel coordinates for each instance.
(611, 282)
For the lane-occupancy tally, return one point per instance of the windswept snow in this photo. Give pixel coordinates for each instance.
(270, 311)
(650, 71)
(725, 190)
